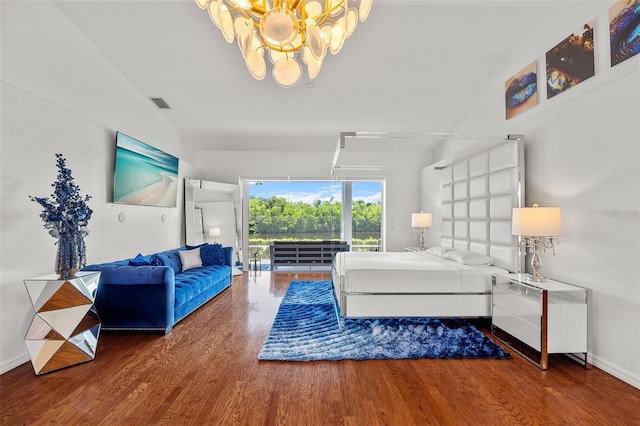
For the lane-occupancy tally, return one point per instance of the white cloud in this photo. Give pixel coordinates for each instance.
(369, 198)
(329, 192)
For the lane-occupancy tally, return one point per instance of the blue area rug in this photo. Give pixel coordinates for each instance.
(306, 328)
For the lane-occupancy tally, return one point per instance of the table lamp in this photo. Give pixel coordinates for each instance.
(421, 222)
(538, 226)
(215, 233)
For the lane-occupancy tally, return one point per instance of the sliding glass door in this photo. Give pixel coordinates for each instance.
(313, 211)
(366, 215)
(293, 211)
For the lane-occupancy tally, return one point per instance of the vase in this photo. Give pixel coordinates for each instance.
(71, 254)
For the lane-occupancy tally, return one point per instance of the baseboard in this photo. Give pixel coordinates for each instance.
(14, 362)
(615, 371)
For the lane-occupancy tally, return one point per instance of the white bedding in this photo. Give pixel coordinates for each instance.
(409, 273)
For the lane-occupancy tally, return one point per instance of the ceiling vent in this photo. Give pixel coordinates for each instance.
(160, 103)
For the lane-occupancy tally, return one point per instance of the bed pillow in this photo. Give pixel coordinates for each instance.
(190, 259)
(438, 251)
(468, 258)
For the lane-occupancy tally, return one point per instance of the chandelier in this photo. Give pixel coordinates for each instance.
(289, 32)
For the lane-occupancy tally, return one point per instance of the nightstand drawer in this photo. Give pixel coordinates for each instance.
(518, 326)
(520, 302)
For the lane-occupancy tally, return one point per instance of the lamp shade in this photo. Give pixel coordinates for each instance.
(536, 221)
(421, 220)
(214, 232)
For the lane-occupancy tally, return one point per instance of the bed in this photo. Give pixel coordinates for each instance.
(478, 194)
(398, 284)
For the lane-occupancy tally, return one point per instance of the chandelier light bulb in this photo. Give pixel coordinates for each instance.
(294, 32)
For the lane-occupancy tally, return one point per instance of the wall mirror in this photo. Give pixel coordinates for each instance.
(212, 205)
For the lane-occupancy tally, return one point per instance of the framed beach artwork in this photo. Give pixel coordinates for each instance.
(144, 175)
(624, 30)
(571, 61)
(521, 91)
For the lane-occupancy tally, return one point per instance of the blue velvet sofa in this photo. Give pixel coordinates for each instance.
(152, 293)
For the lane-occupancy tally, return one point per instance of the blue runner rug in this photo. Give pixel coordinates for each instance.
(306, 328)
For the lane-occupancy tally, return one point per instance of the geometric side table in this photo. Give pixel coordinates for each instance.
(66, 326)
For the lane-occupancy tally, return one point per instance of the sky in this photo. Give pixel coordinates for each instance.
(308, 192)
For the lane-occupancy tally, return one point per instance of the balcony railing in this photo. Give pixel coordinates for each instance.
(261, 251)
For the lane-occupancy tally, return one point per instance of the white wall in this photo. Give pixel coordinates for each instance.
(59, 94)
(582, 152)
(430, 199)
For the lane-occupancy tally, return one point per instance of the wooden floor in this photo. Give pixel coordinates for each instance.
(206, 372)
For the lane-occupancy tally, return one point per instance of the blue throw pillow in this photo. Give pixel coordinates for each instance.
(188, 247)
(155, 260)
(212, 254)
(139, 260)
(171, 259)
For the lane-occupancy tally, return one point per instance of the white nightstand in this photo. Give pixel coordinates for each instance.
(547, 317)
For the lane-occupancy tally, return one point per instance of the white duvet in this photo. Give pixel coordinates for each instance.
(409, 272)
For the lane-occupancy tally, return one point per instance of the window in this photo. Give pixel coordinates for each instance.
(366, 215)
(312, 210)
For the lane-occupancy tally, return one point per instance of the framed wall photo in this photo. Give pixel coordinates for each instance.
(144, 175)
(571, 61)
(521, 91)
(624, 30)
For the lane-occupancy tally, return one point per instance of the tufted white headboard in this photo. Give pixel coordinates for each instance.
(478, 195)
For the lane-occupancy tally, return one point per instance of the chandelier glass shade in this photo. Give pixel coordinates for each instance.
(289, 33)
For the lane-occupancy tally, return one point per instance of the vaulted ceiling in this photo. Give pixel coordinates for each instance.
(412, 67)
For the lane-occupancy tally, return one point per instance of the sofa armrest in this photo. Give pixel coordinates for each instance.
(228, 256)
(135, 298)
